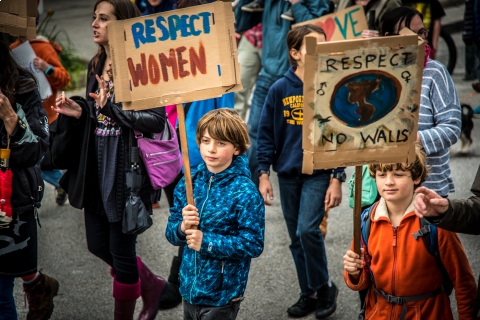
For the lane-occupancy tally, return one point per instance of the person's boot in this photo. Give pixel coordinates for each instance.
(152, 289)
(126, 296)
(288, 15)
(39, 295)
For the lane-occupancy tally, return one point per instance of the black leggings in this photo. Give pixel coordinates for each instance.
(107, 241)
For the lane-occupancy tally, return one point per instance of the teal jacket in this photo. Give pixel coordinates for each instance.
(232, 219)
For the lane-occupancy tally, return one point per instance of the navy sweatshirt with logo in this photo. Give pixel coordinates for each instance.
(280, 129)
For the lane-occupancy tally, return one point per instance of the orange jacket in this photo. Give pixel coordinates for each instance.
(402, 266)
(48, 51)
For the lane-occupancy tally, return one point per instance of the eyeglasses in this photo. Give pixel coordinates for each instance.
(423, 33)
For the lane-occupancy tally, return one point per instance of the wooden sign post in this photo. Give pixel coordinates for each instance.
(361, 104)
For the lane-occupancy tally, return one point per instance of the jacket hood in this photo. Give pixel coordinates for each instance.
(292, 78)
(239, 166)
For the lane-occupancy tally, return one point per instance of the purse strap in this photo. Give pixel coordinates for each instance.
(134, 151)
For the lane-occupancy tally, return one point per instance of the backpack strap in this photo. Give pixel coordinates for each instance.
(429, 234)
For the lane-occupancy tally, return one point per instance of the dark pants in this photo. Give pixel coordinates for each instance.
(107, 241)
(8, 311)
(201, 312)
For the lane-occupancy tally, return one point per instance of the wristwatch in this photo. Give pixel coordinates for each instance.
(49, 71)
(267, 172)
(340, 176)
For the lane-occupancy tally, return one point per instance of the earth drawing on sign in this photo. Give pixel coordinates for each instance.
(365, 97)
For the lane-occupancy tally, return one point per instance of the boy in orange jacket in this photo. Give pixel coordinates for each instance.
(400, 267)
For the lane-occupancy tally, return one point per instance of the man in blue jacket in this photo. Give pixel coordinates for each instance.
(274, 52)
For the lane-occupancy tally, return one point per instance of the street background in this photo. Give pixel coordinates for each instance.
(85, 283)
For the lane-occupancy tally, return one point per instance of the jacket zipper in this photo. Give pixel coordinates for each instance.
(161, 152)
(200, 216)
(395, 229)
(164, 162)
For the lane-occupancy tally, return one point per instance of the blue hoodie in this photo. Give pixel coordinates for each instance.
(280, 129)
(232, 219)
(275, 29)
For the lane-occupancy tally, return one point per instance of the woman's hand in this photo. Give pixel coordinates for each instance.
(352, 263)
(68, 107)
(7, 114)
(190, 218)
(100, 98)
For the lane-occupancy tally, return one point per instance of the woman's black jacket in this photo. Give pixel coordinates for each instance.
(28, 144)
(73, 147)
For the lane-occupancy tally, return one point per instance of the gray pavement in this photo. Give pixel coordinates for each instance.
(85, 283)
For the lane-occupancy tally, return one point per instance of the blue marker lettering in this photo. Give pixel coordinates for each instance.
(344, 29)
(354, 22)
(194, 32)
(165, 34)
(137, 33)
(149, 31)
(184, 26)
(206, 21)
(173, 26)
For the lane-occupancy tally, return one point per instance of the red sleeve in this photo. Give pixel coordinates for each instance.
(456, 263)
(60, 77)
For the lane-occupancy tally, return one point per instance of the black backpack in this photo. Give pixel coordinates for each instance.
(429, 234)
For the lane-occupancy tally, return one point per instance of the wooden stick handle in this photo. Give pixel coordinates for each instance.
(357, 209)
(186, 160)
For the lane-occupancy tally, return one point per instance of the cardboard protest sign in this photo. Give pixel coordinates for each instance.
(342, 25)
(17, 17)
(24, 55)
(174, 57)
(362, 100)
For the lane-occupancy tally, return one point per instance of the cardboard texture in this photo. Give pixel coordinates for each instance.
(174, 57)
(362, 99)
(17, 17)
(341, 25)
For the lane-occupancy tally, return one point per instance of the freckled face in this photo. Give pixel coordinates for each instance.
(103, 14)
(396, 186)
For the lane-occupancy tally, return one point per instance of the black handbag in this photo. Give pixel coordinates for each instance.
(136, 218)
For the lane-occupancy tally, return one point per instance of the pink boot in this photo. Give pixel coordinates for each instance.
(153, 287)
(126, 296)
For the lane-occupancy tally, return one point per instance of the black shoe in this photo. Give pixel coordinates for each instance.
(288, 15)
(61, 196)
(171, 298)
(302, 307)
(326, 301)
(253, 6)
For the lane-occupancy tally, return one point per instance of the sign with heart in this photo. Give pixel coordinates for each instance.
(342, 25)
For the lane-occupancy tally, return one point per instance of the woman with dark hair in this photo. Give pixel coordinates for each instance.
(155, 6)
(439, 123)
(23, 130)
(97, 164)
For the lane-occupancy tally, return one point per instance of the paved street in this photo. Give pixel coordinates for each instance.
(85, 283)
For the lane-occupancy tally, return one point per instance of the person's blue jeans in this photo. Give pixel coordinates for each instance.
(52, 177)
(262, 86)
(8, 311)
(303, 205)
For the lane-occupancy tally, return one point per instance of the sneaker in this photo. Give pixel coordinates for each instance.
(288, 15)
(61, 196)
(302, 307)
(476, 86)
(253, 6)
(326, 301)
(40, 297)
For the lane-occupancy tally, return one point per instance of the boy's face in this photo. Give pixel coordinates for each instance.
(300, 55)
(217, 154)
(396, 186)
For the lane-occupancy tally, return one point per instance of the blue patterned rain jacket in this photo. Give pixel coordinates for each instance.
(232, 219)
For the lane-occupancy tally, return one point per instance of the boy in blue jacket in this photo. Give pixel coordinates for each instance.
(230, 221)
(303, 197)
